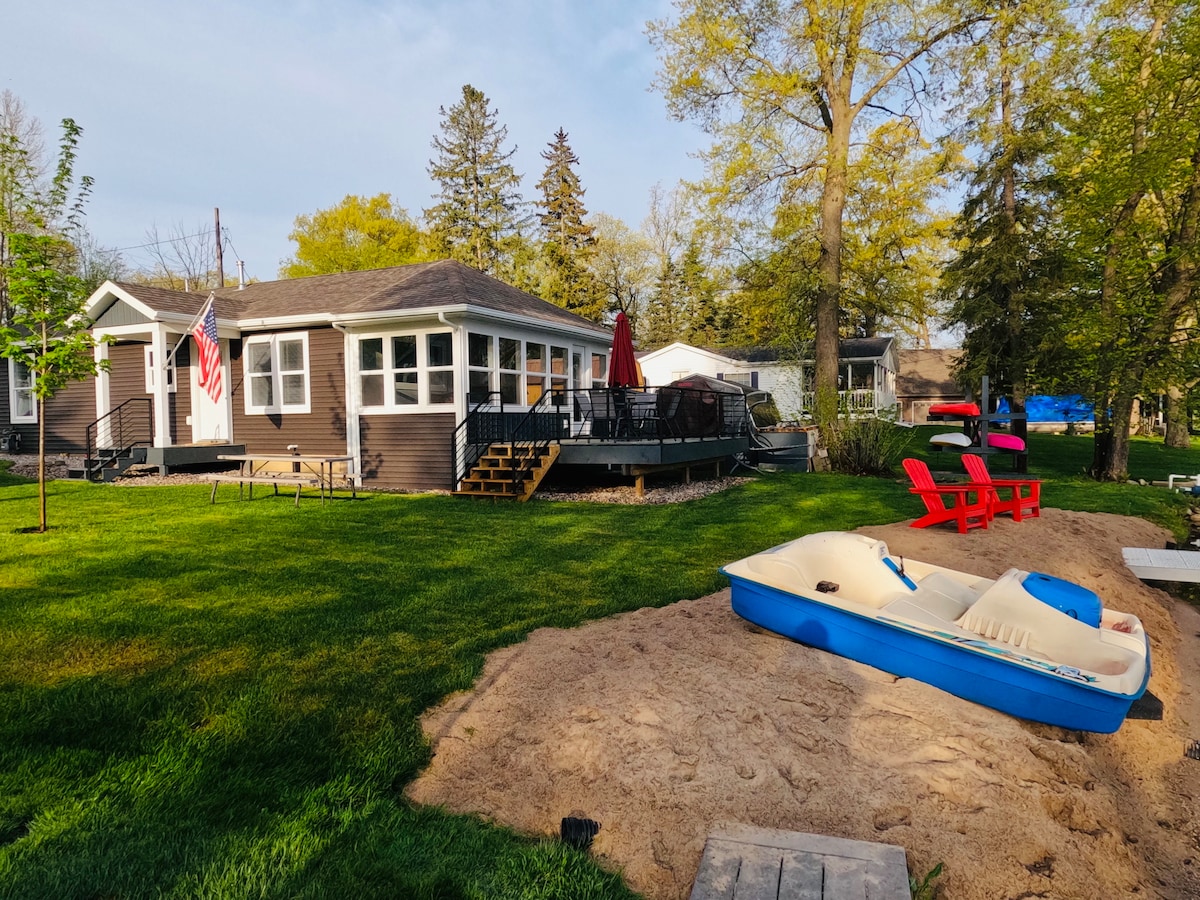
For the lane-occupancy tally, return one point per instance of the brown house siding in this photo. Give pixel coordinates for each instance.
(181, 400)
(68, 415)
(410, 451)
(321, 431)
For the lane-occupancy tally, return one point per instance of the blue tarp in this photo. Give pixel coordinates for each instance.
(1047, 408)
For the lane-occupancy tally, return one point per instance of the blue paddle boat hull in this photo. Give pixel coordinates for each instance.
(900, 637)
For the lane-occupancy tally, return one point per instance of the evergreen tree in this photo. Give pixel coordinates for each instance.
(567, 240)
(478, 216)
(562, 210)
(999, 283)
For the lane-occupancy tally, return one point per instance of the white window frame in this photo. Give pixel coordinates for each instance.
(389, 370)
(276, 374)
(13, 418)
(153, 370)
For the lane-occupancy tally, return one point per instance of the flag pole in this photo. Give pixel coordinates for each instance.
(188, 332)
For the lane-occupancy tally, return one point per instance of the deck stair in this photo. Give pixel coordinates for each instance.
(109, 465)
(508, 472)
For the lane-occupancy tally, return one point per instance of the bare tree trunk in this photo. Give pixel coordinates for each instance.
(1177, 435)
(42, 522)
(829, 268)
(1110, 461)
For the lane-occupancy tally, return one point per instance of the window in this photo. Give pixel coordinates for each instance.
(22, 404)
(510, 370)
(406, 370)
(276, 368)
(599, 370)
(152, 372)
(480, 356)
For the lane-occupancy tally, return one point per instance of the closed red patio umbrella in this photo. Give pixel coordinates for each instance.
(622, 367)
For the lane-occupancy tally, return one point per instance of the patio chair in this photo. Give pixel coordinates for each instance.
(962, 511)
(1024, 499)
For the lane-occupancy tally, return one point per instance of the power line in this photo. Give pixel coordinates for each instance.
(174, 240)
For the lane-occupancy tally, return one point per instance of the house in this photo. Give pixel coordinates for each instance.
(925, 378)
(380, 366)
(866, 380)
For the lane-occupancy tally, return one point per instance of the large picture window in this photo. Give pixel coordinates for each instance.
(22, 403)
(276, 368)
(406, 370)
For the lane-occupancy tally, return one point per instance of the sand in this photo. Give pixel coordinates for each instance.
(663, 724)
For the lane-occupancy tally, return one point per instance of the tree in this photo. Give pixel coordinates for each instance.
(22, 154)
(623, 263)
(562, 211)
(358, 233)
(1009, 257)
(1131, 206)
(781, 86)
(567, 240)
(478, 218)
(185, 259)
(49, 336)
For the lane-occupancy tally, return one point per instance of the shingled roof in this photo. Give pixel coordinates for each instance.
(848, 348)
(446, 282)
(927, 373)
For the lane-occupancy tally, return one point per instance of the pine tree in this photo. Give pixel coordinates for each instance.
(479, 213)
(567, 240)
(562, 198)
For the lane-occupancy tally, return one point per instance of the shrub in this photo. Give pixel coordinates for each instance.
(867, 446)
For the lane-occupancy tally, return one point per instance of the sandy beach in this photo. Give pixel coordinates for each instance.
(663, 724)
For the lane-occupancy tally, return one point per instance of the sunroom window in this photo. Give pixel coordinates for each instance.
(480, 357)
(276, 368)
(406, 370)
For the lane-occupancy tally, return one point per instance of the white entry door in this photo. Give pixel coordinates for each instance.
(211, 419)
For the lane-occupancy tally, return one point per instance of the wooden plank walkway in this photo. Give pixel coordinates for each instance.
(1163, 565)
(747, 863)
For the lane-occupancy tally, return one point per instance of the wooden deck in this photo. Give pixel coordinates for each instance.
(747, 863)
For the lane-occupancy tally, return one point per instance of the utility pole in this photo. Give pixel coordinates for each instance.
(220, 257)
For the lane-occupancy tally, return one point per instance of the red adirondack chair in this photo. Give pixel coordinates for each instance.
(962, 511)
(1025, 494)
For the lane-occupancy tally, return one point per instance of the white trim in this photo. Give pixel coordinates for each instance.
(13, 418)
(276, 375)
(422, 370)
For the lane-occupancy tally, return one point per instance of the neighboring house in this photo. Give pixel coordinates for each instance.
(866, 380)
(379, 365)
(925, 379)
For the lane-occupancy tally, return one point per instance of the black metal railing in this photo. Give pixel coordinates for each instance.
(129, 425)
(532, 436)
(474, 434)
(595, 415)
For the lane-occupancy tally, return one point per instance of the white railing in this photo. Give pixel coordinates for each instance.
(856, 404)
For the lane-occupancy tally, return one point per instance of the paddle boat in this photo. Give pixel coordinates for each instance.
(1027, 644)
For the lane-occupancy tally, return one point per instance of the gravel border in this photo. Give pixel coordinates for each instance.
(26, 465)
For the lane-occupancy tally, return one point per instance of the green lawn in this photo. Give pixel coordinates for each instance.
(222, 701)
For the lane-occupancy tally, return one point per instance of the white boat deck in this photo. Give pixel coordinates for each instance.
(1163, 565)
(742, 862)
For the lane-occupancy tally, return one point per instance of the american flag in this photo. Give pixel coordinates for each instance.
(210, 353)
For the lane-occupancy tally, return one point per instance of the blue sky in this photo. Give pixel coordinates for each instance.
(273, 109)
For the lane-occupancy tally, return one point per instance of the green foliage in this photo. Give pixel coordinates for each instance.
(785, 90)
(478, 216)
(1131, 204)
(243, 722)
(359, 233)
(867, 446)
(924, 888)
(48, 334)
(562, 210)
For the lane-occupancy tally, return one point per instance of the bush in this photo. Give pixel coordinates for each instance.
(867, 446)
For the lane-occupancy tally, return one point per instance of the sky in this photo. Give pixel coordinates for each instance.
(279, 108)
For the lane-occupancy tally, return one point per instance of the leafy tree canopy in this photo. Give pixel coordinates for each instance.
(357, 234)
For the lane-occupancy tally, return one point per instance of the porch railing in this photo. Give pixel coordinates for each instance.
(122, 429)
